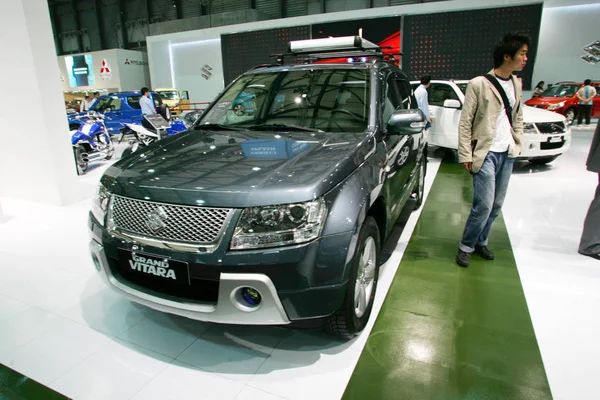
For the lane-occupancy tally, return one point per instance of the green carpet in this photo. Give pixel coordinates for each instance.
(447, 332)
(14, 386)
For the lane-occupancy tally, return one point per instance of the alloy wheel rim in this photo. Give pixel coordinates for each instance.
(365, 278)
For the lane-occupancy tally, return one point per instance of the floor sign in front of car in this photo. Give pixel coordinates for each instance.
(274, 216)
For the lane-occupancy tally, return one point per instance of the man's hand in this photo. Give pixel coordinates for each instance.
(468, 166)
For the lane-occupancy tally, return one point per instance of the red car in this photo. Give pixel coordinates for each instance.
(561, 98)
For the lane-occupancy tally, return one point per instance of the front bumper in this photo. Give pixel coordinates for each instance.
(539, 145)
(296, 283)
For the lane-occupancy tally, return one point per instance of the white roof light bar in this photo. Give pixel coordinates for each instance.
(330, 44)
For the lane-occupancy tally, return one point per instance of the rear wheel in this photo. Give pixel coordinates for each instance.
(543, 160)
(420, 189)
(352, 317)
(82, 165)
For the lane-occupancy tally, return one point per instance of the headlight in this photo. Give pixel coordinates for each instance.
(100, 203)
(556, 106)
(279, 225)
(529, 128)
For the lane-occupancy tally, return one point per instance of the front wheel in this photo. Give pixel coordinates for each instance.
(352, 317)
(570, 115)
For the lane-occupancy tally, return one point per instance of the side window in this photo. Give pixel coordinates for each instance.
(441, 92)
(406, 92)
(134, 102)
(393, 98)
(157, 99)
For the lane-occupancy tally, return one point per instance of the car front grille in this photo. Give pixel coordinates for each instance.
(551, 128)
(177, 223)
(551, 146)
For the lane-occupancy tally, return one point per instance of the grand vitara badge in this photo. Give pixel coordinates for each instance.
(151, 266)
(156, 220)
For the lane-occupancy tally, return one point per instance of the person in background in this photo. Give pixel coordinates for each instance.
(93, 99)
(489, 140)
(85, 104)
(147, 106)
(589, 245)
(586, 99)
(539, 89)
(423, 98)
(549, 86)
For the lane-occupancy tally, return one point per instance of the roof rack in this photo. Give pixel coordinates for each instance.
(330, 48)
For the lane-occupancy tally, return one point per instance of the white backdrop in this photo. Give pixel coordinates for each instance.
(187, 61)
(563, 33)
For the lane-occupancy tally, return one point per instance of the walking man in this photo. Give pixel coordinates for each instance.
(590, 239)
(423, 98)
(586, 100)
(490, 131)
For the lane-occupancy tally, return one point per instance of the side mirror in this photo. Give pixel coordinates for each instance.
(452, 103)
(406, 122)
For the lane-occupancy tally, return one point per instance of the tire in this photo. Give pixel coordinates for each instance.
(352, 317)
(570, 115)
(82, 166)
(543, 160)
(420, 189)
(165, 112)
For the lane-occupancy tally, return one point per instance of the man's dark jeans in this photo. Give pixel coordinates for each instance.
(490, 185)
(584, 111)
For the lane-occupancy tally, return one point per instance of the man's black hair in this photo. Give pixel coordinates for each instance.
(145, 90)
(510, 44)
(587, 82)
(97, 93)
(425, 79)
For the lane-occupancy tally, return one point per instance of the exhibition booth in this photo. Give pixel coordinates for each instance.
(310, 197)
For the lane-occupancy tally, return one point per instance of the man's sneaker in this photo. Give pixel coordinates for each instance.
(484, 252)
(463, 259)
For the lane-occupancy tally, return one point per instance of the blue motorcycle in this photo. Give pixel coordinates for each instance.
(142, 137)
(91, 141)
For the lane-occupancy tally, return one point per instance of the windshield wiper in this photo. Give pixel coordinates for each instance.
(217, 127)
(282, 127)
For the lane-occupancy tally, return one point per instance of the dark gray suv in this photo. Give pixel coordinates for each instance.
(273, 207)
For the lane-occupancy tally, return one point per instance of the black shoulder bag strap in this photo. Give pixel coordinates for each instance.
(500, 90)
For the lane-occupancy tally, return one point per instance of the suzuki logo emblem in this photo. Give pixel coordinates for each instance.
(156, 220)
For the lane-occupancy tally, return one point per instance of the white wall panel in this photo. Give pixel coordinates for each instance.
(560, 48)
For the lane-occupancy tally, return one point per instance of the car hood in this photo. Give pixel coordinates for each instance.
(532, 114)
(239, 168)
(546, 100)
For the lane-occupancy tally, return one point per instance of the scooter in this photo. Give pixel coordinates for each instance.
(91, 141)
(144, 137)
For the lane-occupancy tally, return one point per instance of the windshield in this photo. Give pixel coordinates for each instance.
(331, 100)
(105, 103)
(564, 90)
(169, 95)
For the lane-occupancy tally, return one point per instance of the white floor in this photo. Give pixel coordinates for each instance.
(61, 326)
(544, 212)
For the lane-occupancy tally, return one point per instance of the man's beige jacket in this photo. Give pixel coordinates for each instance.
(478, 119)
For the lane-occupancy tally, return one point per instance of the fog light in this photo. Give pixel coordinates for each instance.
(96, 262)
(251, 296)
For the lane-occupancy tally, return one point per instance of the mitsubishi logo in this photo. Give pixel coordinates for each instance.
(156, 220)
(127, 61)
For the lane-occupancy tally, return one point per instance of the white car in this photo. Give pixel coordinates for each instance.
(546, 134)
